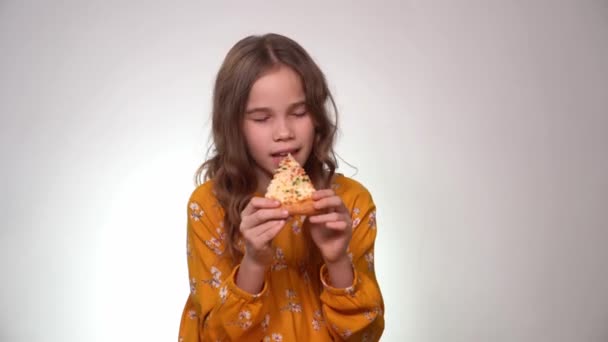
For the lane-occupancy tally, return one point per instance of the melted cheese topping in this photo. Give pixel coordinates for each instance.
(290, 183)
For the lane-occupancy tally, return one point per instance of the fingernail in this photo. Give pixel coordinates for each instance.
(285, 213)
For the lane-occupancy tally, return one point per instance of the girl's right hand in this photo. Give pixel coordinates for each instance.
(261, 221)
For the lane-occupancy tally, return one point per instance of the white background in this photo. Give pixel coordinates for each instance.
(480, 127)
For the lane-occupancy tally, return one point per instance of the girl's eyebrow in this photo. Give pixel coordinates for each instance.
(268, 110)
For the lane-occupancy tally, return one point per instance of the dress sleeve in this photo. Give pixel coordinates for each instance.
(216, 309)
(357, 312)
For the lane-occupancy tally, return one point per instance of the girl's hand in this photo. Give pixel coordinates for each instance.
(261, 221)
(331, 231)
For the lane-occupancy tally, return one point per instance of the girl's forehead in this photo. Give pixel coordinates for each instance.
(278, 87)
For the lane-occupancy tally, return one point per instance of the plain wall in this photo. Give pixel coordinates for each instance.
(480, 128)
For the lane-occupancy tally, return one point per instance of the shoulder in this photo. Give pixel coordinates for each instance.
(358, 200)
(204, 192)
(350, 190)
(203, 201)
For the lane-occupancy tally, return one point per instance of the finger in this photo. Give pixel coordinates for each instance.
(326, 218)
(257, 203)
(251, 231)
(337, 225)
(317, 195)
(257, 235)
(270, 233)
(260, 230)
(261, 216)
(332, 203)
(264, 215)
(261, 235)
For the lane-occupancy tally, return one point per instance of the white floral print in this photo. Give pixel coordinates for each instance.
(350, 291)
(346, 333)
(245, 315)
(371, 315)
(292, 305)
(369, 257)
(224, 294)
(243, 321)
(195, 211)
(356, 219)
(356, 222)
(295, 227)
(265, 323)
(317, 320)
(216, 281)
(192, 286)
(217, 244)
(290, 294)
(279, 260)
(371, 222)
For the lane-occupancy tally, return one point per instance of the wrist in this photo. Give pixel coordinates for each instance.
(339, 261)
(250, 276)
(253, 264)
(340, 272)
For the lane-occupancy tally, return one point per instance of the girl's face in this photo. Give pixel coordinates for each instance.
(277, 122)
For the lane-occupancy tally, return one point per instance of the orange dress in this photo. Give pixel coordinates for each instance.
(287, 308)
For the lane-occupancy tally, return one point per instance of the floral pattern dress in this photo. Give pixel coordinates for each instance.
(288, 308)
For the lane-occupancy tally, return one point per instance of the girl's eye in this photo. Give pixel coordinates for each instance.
(300, 114)
(260, 119)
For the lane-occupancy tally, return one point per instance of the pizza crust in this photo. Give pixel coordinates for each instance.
(304, 207)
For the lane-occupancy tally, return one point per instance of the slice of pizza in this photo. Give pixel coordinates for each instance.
(291, 186)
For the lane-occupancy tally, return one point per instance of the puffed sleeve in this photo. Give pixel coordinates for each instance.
(216, 309)
(357, 312)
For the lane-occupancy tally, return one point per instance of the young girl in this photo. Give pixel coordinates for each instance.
(257, 274)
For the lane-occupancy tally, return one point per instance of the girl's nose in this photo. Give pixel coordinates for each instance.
(282, 131)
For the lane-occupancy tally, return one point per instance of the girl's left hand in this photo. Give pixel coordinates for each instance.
(331, 231)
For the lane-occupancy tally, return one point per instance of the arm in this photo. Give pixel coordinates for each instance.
(217, 309)
(355, 311)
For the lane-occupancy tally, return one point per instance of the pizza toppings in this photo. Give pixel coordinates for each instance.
(290, 183)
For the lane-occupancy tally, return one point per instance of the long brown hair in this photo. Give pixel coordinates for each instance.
(231, 168)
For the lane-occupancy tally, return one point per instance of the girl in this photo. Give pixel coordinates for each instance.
(257, 274)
